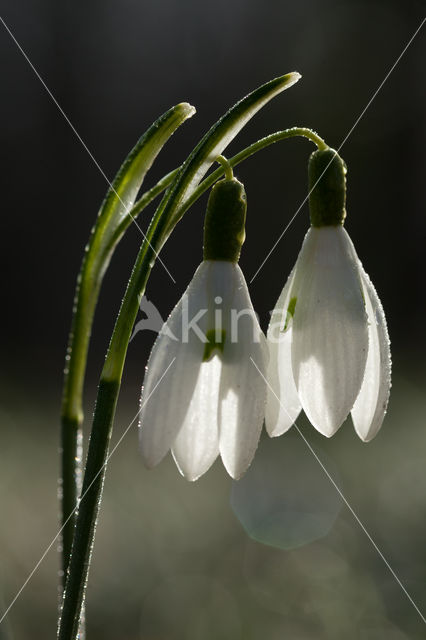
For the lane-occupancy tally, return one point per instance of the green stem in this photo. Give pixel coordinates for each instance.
(224, 162)
(92, 488)
(263, 143)
(164, 220)
(143, 202)
(75, 369)
(121, 194)
(97, 455)
(72, 413)
(72, 410)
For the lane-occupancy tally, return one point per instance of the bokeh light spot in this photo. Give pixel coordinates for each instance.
(285, 499)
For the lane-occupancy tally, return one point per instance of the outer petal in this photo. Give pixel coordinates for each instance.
(243, 385)
(282, 404)
(370, 406)
(166, 396)
(196, 446)
(330, 329)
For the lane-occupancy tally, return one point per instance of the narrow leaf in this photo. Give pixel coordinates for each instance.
(106, 233)
(123, 191)
(218, 138)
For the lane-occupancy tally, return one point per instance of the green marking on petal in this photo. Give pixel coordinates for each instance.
(215, 342)
(362, 294)
(290, 312)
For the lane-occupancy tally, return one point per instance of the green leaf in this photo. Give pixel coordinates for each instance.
(217, 139)
(106, 233)
(111, 223)
(122, 193)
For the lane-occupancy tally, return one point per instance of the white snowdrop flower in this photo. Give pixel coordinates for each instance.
(329, 344)
(202, 395)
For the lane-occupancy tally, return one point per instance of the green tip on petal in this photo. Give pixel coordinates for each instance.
(290, 312)
(215, 343)
(327, 188)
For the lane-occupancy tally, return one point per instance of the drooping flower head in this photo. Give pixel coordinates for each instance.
(202, 394)
(328, 338)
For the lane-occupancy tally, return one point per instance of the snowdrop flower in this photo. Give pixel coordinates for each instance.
(202, 394)
(329, 344)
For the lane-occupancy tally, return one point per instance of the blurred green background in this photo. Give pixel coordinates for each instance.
(277, 555)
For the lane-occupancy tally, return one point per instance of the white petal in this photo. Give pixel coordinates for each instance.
(282, 404)
(370, 406)
(166, 396)
(243, 382)
(196, 446)
(219, 400)
(330, 328)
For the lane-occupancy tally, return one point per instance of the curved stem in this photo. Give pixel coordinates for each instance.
(263, 143)
(77, 352)
(194, 168)
(224, 162)
(167, 180)
(111, 375)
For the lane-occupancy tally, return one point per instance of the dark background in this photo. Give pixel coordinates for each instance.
(114, 67)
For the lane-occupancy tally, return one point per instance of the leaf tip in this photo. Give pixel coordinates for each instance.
(187, 109)
(292, 77)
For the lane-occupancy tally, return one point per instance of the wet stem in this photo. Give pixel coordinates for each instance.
(81, 542)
